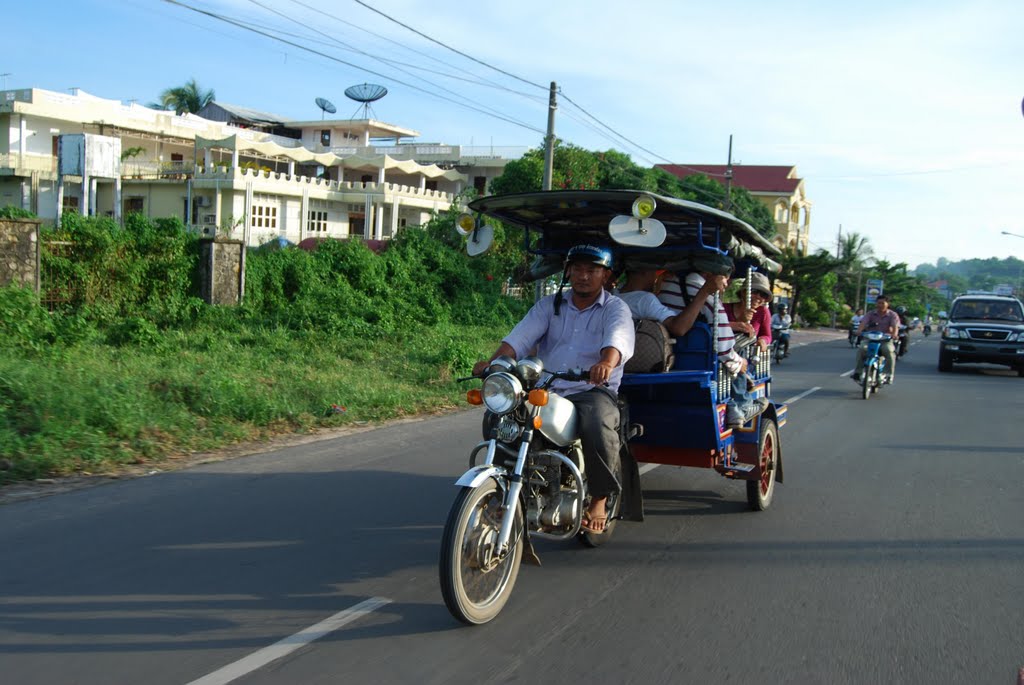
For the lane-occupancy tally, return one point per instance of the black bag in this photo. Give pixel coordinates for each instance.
(652, 352)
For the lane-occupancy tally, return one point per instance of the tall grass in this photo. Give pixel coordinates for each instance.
(138, 370)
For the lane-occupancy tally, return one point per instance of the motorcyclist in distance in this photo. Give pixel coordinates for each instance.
(887, 321)
(781, 323)
(904, 335)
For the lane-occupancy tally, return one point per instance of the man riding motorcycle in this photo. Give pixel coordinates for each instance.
(904, 331)
(590, 328)
(887, 321)
(781, 323)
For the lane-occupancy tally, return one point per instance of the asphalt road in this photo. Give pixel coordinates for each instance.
(893, 553)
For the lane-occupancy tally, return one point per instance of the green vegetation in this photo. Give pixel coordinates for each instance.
(134, 368)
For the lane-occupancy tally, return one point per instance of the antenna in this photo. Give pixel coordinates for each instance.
(325, 105)
(366, 93)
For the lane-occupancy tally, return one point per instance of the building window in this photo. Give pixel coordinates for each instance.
(431, 185)
(134, 205)
(70, 203)
(316, 221)
(325, 137)
(264, 216)
(480, 183)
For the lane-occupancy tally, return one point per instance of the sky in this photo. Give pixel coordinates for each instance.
(905, 119)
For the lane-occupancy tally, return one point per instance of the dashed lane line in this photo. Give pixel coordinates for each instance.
(284, 647)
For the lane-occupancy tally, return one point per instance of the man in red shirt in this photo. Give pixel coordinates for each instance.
(887, 321)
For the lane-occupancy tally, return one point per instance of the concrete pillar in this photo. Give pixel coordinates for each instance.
(60, 199)
(423, 182)
(93, 183)
(380, 176)
(86, 199)
(394, 217)
(291, 167)
(303, 213)
(117, 200)
(378, 221)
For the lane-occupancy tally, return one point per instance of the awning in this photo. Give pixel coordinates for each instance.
(328, 159)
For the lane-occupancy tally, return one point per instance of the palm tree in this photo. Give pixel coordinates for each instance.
(187, 98)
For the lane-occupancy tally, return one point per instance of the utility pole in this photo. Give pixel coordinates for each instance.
(549, 164)
(839, 241)
(728, 178)
(549, 139)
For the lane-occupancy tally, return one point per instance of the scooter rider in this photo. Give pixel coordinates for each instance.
(887, 321)
(781, 323)
(589, 328)
(904, 336)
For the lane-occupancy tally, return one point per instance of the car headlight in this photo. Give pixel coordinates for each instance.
(951, 333)
(502, 392)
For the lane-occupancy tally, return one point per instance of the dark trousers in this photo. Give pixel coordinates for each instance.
(598, 414)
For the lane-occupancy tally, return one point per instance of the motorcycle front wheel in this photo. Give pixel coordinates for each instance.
(476, 581)
(866, 378)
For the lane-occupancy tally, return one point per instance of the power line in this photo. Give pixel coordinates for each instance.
(446, 46)
(241, 25)
(366, 54)
(482, 81)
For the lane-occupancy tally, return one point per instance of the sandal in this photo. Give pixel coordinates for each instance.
(595, 525)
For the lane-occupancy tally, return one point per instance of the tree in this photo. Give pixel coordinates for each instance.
(812, 278)
(187, 98)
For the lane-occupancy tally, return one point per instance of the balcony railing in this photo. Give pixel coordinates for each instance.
(27, 162)
(151, 170)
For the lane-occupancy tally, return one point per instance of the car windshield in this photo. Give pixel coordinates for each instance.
(992, 311)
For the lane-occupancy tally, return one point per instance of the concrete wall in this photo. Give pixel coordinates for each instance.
(19, 252)
(222, 271)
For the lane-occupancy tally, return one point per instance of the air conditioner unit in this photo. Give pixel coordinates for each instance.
(204, 201)
(209, 231)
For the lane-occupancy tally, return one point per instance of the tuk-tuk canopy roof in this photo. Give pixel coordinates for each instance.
(564, 218)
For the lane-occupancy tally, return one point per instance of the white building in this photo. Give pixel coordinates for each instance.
(234, 171)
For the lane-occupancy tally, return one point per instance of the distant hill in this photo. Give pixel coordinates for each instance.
(975, 274)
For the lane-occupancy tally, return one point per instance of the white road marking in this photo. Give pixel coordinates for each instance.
(848, 373)
(289, 644)
(648, 467)
(802, 395)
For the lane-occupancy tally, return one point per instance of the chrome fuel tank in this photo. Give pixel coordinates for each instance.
(558, 420)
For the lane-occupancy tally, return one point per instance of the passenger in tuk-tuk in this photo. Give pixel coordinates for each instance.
(754, 321)
(638, 293)
(589, 328)
(716, 268)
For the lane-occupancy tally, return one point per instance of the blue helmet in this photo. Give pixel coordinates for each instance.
(595, 254)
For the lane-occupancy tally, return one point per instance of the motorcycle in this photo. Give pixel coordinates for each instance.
(904, 341)
(927, 330)
(851, 335)
(874, 363)
(780, 343)
(532, 481)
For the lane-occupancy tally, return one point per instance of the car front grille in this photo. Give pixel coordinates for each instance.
(987, 334)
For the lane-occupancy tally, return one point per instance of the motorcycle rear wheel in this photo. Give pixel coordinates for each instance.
(475, 583)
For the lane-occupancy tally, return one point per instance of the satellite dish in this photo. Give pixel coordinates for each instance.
(325, 105)
(365, 93)
(628, 230)
(480, 240)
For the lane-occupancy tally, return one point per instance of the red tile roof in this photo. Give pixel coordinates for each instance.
(767, 179)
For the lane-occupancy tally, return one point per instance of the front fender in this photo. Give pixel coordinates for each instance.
(478, 474)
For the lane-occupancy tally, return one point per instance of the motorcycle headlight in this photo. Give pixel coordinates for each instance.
(502, 392)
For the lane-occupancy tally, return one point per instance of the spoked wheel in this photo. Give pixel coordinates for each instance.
(475, 581)
(760, 491)
(866, 378)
